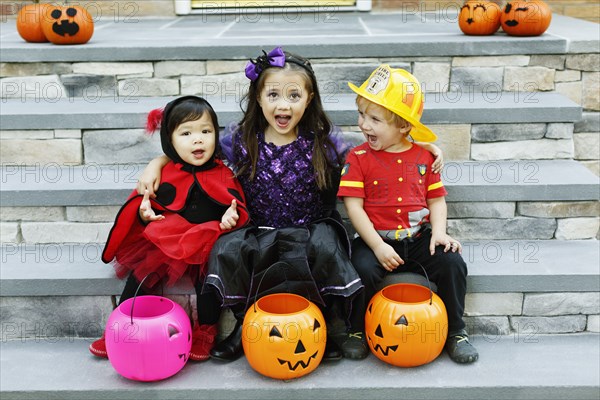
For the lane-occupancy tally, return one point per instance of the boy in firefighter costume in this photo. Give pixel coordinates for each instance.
(397, 204)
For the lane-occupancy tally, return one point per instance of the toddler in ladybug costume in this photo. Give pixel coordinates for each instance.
(170, 236)
(396, 202)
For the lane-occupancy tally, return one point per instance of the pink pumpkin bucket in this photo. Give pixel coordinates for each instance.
(148, 338)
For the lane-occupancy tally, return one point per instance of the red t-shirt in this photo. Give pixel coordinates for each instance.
(395, 186)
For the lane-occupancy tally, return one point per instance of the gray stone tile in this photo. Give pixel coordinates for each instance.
(228, 37)
(61, 367)
(409, 24)
(296, 25)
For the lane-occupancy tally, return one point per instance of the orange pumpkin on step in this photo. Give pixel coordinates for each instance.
(29, 22)
(526, 18)
(479, 18)
(68, 25)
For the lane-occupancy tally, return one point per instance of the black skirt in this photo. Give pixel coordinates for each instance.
(312, 261)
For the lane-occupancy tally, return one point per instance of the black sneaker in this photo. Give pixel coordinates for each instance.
(353, 345)
(460, 349)
(332, 351)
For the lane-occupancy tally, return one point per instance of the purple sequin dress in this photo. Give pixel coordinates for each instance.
(284, 191)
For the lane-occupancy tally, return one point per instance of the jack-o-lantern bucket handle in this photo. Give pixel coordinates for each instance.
(279, 264)
(426, 277)
(162, 292)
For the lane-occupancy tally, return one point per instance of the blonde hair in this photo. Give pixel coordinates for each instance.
(390, 117)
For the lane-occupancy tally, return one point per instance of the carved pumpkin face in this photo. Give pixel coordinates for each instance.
(156, 345)
(68, 25)
(403, 328)
(284, 336)
(479, 18)
(526, 18)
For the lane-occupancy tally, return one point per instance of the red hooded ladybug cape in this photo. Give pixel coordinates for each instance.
(173, 246)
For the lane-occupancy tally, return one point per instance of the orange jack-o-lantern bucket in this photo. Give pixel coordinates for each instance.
(406, 325)
(284, 336)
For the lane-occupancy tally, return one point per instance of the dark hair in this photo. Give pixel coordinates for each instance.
(179, 111)
(314, 120)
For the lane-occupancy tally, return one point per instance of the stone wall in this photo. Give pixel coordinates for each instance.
(577, 76)
(574, 220)
(526, 315)
(524, 220)
(522, 315)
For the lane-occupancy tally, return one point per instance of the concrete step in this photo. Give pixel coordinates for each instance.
(494, 266)
(179, 37)
(523, 366)
(87, 185)
(441, 108)
(341, 35)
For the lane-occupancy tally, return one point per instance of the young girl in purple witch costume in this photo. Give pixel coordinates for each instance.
(288, 162)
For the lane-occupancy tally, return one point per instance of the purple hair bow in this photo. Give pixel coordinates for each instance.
(275, 58)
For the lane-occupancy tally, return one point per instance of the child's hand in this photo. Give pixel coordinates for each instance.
(387, 257)
(230, 217)
(449, 243)
(150, 178)
(146, 212)
(438, 163)
(147, 184)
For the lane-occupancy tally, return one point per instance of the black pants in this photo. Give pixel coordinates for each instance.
(207, 303)
(447, 270)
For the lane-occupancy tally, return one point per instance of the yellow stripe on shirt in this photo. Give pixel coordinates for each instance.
(354, 184)
(435, 186)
